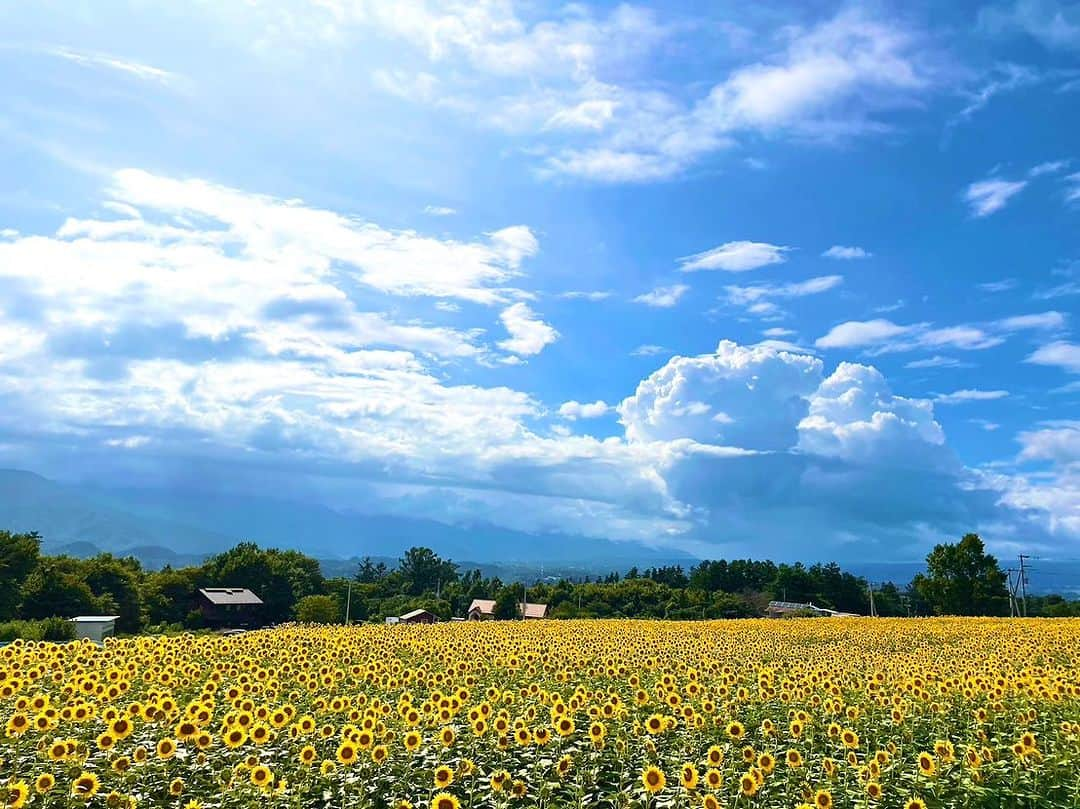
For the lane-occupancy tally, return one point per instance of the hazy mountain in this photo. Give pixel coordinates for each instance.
(178, 527)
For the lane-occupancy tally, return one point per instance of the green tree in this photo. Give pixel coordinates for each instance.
(118, 581)
(423, 570)
(508, 604)
(318, 610)
(57, 587)
(168, 595)
(19, 555)
(962, 579)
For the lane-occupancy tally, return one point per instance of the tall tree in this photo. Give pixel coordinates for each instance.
(19, 555)
(423, 570)
(963, 579)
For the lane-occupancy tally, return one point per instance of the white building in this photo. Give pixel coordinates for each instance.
(95, 627)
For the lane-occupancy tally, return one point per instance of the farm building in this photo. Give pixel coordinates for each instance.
(417, 617)
(229, 606)
(95, 627)
(483, 609)
(787, 609)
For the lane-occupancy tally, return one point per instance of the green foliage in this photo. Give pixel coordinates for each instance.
(508, 604)
(279, 578)
(53, 629)
(319, 610)
(421, 570)
(18, 557)
(962, 579)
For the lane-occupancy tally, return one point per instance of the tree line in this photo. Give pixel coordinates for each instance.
(961, 579)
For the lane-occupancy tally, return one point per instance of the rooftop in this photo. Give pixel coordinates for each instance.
(230, 595)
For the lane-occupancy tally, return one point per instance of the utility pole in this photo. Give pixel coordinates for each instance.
(1023, 583)
(1012, 593)
(524, 597)
(873, 611)
(348, 602)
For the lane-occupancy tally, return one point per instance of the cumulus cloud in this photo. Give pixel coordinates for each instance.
(853, 334)
(573, 410)
(737, 256)
(663, 297)
(846, 253)
(989, 196)
(528, 333)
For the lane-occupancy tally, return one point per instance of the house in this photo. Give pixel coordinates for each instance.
(229, 606)
(94, 627)
(483, 609)
(417, 617)
(789, 609)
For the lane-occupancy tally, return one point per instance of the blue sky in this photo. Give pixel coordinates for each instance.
(805, 271)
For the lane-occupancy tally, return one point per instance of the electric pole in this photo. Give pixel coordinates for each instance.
(873, 611)
(1023, 583)
(1012, 593)
(348, 602)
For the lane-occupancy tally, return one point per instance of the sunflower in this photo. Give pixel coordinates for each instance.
(176, 787)
(710, 802)
(17, 794)
(715, 756)
(308, 755)
(261, 776)
(927, 765)
(234, 737)
(655, 724)
(736, 730)
(444, 800)
(498, 780)
(379, 753)
(793, 758)
(44, 783)
(748, 785)
(714, 779)
(564, 726)
(653, 778)
(823, 799)
(346, 753)
(767, 763)
(166, 748)
(915, 803)
(85, 786)
(444, 777)
(873, 790)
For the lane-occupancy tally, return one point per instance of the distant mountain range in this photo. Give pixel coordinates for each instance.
(182, 527)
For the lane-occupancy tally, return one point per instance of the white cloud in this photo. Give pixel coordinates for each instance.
(759, 389)
(594, 296)
(528, 334)
(1056, 25)
(883, 336)
(841, 252)
(420, 86)
(757, 298)
(439, 210)
(988, 426)
(1059, 353)
(1058, 441)
(127, 66)
(1072, 192)
(737, 256)
(1003, 285)
(648, 350)
(988, 196)
(855, 334)
(1042, 320)
(937, 361)
(663, 297)
(777, 331)
(969, 395)
(573, 410)
(1049, 167)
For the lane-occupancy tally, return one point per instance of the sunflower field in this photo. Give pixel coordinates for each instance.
(799, 713)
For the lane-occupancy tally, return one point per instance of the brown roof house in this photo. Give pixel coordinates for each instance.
(417, 617)
(229, 607)
(483, 609)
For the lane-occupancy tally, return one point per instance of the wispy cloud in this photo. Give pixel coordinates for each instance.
(989, 196)
(841, 252)
(758, 299)
(663, 297)
(586, 295)
(138, 70)
(648, 350)
(937, 361)
(439, 210)
(1059, 353)
(737, 256)
(969, 395)
(1004, 285)
(883, 336)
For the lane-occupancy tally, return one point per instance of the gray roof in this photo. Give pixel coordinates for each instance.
(225, 596)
